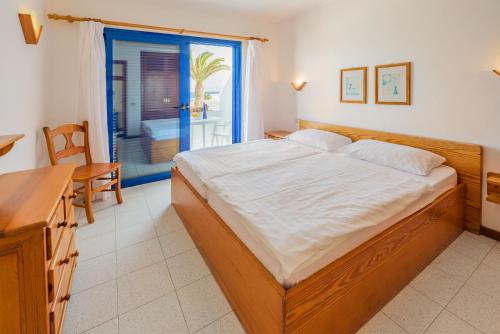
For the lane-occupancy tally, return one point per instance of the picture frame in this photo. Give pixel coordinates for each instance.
(393, 84)
(353, 84)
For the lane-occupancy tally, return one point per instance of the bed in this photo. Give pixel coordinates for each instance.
(338, 288)
(160, 139)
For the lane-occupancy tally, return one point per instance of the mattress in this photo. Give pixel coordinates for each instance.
(162, 129)
(293, 255)
(199, 166)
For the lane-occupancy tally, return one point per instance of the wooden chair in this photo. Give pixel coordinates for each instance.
(87, 173)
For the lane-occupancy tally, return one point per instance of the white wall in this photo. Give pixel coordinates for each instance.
(63, 40)
(22, 87)
(453, 45)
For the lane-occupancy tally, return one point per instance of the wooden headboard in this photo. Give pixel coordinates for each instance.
(465, 158)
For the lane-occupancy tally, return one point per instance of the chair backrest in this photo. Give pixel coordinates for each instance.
(70, 149)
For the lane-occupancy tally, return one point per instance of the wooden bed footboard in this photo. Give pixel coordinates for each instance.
(341, 297)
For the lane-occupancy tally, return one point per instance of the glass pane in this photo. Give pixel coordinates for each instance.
(145, 114)
(211, 93)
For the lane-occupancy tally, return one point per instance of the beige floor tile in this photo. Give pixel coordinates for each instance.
(455, 264)
(176, 243)
(477, 308)
(157, 188)
(159, 205)
(142, 286)
(91, 307)
(493, 258)
(99, 227)
(447, 322)
(132, 218)
(160, 316)
(412, 311)
(134, 204)
(228, 324)
(486, 279)
(202, 302)
(381, 324)
(94, 272)
(187, 268)
(473, 246)
(168, 224)
(103, 209)
(131, 193)
(109, 327)
(96, 246)
(138, 256)
(437, 285)
(135, 234)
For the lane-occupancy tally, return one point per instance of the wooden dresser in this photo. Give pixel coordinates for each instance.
(37, 249)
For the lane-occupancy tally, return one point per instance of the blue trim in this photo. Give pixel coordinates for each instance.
(183, 42)
(237, 123)
(146, 179)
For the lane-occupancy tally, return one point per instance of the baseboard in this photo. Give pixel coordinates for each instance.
(490, 233)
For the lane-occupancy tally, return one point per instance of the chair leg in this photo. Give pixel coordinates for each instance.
(118, 186)
(88, 201)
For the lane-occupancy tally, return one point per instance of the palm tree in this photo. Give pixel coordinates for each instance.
(201, 69)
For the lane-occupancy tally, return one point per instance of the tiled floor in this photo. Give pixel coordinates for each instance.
(139, 272)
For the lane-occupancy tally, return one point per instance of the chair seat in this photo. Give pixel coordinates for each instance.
(93, 171)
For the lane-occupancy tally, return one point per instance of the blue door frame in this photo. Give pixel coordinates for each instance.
(183, 42)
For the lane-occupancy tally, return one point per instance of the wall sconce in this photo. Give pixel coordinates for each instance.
(31, 34)
(497, 72)
(298, 85)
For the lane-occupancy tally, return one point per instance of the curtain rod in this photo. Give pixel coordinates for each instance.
(72, 19)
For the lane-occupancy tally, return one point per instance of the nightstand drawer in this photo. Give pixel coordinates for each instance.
(277, 134)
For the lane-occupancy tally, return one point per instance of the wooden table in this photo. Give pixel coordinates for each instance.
(7, 142)
(277, 134)
(203, 122)
(493, 182)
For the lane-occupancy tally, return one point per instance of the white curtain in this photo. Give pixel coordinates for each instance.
(92, 92)
(253, 112)
(92, 88)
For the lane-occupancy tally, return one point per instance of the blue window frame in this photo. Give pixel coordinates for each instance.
(183, 42)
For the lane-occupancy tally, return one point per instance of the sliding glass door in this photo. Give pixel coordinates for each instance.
(168, 94)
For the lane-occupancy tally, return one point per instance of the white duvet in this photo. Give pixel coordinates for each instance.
(300, 207)
(218, 161)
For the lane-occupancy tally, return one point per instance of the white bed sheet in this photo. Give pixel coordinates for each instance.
(199, 166)
(289, 270)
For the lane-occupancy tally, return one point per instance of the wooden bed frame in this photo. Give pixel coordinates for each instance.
(345, 294)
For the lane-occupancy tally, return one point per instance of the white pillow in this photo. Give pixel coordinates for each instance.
(405, 158)
(323, 140)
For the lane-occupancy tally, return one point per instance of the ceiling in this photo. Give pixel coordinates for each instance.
(264, 10)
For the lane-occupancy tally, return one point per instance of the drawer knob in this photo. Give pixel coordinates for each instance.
(65, 261)
(73, 225)
(62, 224)
(75, 254)
(65, 298)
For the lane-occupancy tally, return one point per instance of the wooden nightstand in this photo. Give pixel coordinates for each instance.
(277, 134)
(493, 181)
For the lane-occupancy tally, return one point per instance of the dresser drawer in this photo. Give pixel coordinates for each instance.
(58, 307)
(55, 229)
(68, 200)
(63, 256)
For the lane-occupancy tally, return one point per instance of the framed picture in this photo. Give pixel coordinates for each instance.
(353, 85)
(393, 84)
